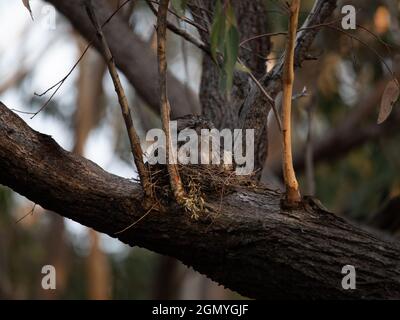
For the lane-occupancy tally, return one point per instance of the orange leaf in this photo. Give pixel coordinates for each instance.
(382, 20)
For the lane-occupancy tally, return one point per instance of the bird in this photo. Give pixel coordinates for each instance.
(222, 158)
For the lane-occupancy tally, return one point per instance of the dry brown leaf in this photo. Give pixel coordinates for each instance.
(389, 97)
(28, 6)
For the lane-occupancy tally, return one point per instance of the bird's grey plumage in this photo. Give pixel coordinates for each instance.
(197, 123)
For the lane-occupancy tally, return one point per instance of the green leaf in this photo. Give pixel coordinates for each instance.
(242, 68)
(224, 41)
(217, 30)
(223, 82)
(230, 17)
(231, 54)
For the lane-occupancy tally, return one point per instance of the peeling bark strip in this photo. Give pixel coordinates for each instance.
(292, 186)
(174, 177)
(251, 246)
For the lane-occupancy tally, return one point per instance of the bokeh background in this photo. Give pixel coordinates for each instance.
(354, 168)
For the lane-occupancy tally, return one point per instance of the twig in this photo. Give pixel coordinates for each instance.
(183, 18)
(200, 17)
(376, 37)
(269, 98)
(175, 179)
(59, 84)
(187, 36)
(301, 94)
(138, 220)
(292, 187)
(29, 213)
(381, 59)
(134, 140)
(198, 11)
(284, 33)
(321, 10)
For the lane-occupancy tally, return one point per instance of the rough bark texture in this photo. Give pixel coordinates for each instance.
(249, 244)
(250, 15)
(225, 113)
(132, 55)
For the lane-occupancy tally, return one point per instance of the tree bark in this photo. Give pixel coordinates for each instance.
(249, 244)
(250, 15)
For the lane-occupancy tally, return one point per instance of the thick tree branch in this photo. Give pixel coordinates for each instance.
(132, 55)
(249, 244)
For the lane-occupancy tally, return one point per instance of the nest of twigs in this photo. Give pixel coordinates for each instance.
(201, 182)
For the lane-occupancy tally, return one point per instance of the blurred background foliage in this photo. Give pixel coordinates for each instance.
(340, 82)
